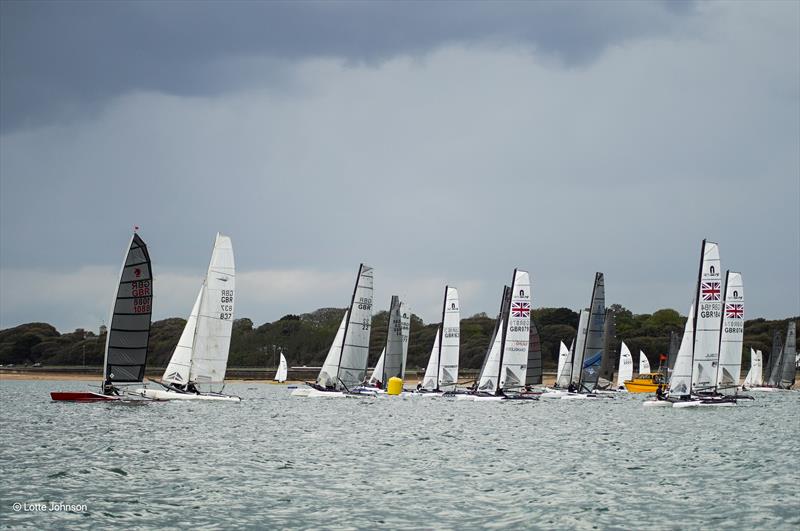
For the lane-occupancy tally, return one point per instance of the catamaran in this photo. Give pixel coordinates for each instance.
(128, 336)
(712, 326)
(504, 371)
(283, 370)
(581, 371)
(392, 361)
(441, 374)
(200, 359)
(346, 363)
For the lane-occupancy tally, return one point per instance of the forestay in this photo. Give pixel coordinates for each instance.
(625, 365)
(215, 318)
(708, 318)
(129, 332)
(732, 333)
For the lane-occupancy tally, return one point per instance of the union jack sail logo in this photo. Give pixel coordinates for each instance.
(710, 291)
(734, 311)
(520, 309)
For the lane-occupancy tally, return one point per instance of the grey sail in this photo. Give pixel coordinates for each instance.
(396, 342)
(674, 345)
(355, 347)
(534, 374)
(788, 359)
(593, 345)
(129, 331)
(775, 359)
(607, 363)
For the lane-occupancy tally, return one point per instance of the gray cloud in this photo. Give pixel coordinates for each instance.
(64, 59)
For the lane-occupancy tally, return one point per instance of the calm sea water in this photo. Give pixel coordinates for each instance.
(274, 461)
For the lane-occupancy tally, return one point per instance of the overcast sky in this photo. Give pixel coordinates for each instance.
(439, 142)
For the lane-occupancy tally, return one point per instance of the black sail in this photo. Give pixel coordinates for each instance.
(129, 330)
(534, 374)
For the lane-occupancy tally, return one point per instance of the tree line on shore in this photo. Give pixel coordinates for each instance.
(305, 339)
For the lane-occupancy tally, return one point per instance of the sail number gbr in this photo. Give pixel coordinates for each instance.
(142, 296)
(226, 304)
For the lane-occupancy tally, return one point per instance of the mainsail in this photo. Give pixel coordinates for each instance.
(680, 383)
(516, 336)
(625, 365)
(449, 341)
(487, 382)
(212, 336)
(732, 332)
(674, 345)
(752, 375)
(396, 342)
(129, 332)
(355, 346)
(593, 345)
(534, 374)
(429, 380)
(775, 360)
(759, 378)
(577, 347)
(789, 355)
(644, 363)
(607, 365)
(283, 370)
(708, 314)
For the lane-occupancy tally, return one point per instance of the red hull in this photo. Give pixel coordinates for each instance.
(81, 396)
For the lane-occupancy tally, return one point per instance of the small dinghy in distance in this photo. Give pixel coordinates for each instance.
(201, 356)
(283, 370)
(128, 336)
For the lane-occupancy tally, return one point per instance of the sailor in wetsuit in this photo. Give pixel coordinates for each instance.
(572, 388)
(191, 388)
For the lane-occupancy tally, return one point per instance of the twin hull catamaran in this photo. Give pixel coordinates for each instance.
(201, 356)
(441, 374)
(129, 334)
(346, 363)
(709, 357)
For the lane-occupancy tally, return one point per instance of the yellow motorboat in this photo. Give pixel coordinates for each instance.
(645, 383)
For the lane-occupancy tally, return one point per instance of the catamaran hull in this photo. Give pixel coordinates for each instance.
(702, 403)
(158, 394)
(82, 396)
(657, 403)
(315, 393)
(301, 391)
(763, 389)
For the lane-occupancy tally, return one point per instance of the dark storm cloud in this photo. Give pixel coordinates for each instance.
(61, 60)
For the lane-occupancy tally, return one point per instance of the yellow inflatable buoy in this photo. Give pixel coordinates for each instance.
(395, 386)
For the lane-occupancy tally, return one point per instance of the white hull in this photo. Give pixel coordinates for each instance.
(575, 396)
(314, 393)
(488, 398)
(657, 403)
(159, 394)
(465, 397)
(553, 394)
(763, 389)
(301, 391)
(697, 403)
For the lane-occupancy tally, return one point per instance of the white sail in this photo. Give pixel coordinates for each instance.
(752, 374)
(580, 341)
(330, 367)
(178, 370)
(355, 349)
(644, 363)
(759, 378)
(283, 370)
(488, 379)
(732, 333)
(215, 318)
(377, 373)
(562, 374)
(625, 365)
(680, 383)
(708, 318)
(429, 380)
(517, 333)
(450, 340)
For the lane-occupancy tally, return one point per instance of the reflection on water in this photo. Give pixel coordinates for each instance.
(276, 461)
